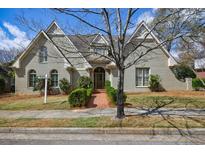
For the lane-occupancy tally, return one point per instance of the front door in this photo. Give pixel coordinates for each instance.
(99, 78)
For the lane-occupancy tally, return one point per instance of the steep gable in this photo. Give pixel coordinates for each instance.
(66, 46)
(143, 31)
(41, 34)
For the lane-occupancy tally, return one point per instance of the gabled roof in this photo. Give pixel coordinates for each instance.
(60, 32)
(172, 60)
(16, 64)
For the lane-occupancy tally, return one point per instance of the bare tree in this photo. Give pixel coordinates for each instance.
(189, 47)
(123, 48)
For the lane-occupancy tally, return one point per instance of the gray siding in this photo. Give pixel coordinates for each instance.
(157, 61)
(31, 61)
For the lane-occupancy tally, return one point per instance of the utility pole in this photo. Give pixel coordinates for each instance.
(45, 91)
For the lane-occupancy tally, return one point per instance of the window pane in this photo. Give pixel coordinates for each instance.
(146, 77)
(139, 76)
(43, 54)
(32, 78)
(54, 78)
(142, 76)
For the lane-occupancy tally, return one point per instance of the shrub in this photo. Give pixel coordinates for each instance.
(107, 83)
(2, 85)
(78, 97)
(181, 72)
(89, 92)
(112, 92)
(40, 86)
(65, 86)
(197, 84)
(154, 82)
(85, 82)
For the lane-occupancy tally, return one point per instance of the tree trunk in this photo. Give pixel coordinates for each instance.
(120, 92)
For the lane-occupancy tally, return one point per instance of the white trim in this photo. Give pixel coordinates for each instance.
(81, 69)
(51, 79)
(55, 23)
(94, 38)
(155, 38)
(104, 39)
(17, 62)
(142, 76)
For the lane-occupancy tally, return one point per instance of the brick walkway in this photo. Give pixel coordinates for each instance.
(98, 100)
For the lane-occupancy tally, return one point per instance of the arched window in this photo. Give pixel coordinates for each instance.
(54, 78)
(43, 54)
(32, 78)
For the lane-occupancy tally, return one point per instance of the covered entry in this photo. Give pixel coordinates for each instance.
(99, 78)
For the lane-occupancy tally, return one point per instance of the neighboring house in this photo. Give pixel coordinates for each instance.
(199, 66)
(9, 81)
(61, 56)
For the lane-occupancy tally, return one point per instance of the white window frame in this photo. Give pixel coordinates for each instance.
(57, 78)
(44, 53)
(143, 86)
(29, 73)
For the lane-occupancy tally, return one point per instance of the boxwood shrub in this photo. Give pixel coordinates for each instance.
(112, 93)
(197, 84)
(79, 97)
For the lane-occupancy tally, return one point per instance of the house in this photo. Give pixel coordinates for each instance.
(60, 56)
(199, 66)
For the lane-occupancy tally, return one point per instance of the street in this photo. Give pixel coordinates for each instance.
(94, 139)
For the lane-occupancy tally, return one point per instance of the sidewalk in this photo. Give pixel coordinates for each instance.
(96, 112)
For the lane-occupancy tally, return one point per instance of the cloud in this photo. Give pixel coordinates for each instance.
(18, 41)
(146, 16)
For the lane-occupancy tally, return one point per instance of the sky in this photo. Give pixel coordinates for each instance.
(15, 35)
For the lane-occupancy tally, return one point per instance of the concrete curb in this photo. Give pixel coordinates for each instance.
(136, 131)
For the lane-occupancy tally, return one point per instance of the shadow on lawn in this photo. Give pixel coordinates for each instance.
(184, 130)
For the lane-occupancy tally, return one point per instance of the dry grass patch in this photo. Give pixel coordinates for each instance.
(33, 102)
(180, 93)
(133, 121)
(175, 99)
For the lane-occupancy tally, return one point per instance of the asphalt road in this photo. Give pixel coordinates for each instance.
(95, 139)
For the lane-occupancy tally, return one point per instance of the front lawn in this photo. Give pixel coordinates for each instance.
(189, 100)
(32, 102)
(176, 99)
(133, 121)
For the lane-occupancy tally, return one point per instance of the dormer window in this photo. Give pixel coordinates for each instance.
(43, 54)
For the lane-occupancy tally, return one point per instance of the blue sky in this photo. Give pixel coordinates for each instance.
(14, 35)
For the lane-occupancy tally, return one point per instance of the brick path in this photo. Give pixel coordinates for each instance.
(98, 100)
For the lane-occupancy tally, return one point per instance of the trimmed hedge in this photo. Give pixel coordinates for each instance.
(112, 93)
(2, 85)
(79, 97)
(197, 84)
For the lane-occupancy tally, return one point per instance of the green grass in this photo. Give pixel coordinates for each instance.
(165, 101)
(34, 103)
(107, 122)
